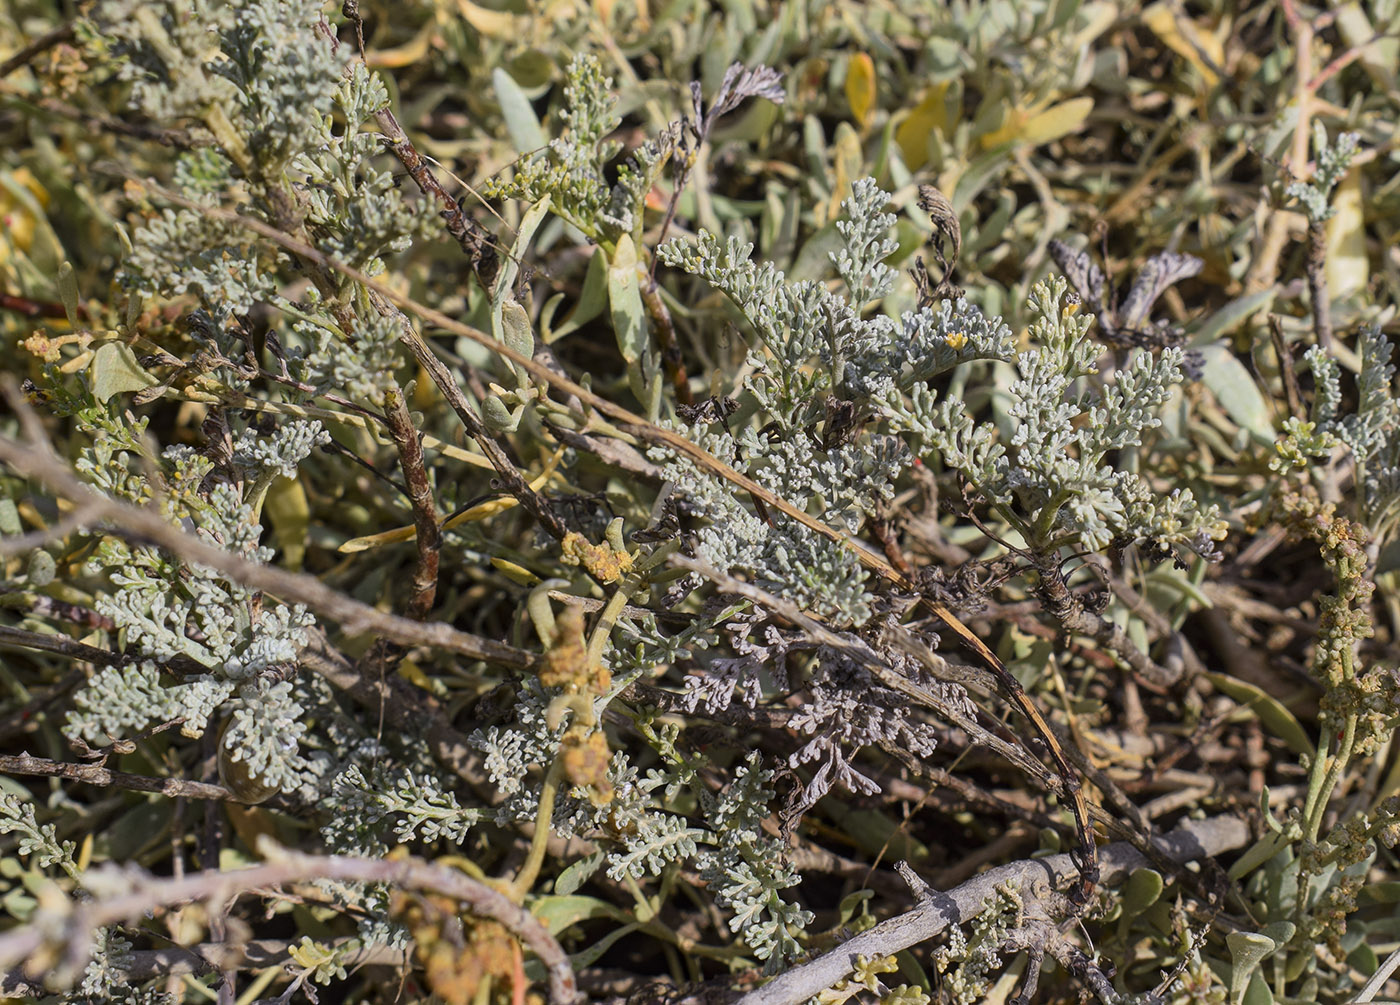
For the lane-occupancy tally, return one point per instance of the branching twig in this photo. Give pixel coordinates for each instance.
(60, 645)
(63, 33)
(95, 774)
(1039, 877)
(464, 230)
(1074, 618)
(420, 495)
(77, 920)
(125, 520)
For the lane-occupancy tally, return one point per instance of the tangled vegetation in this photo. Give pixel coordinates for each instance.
(784, 502)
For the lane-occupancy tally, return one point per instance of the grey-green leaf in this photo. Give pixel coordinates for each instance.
(521, 122)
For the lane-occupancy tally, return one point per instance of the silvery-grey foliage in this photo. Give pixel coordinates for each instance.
(1371, 433)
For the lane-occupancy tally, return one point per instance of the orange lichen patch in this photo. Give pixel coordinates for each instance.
(566, 664)
(457, 954)
(602, 562)
(585, 758)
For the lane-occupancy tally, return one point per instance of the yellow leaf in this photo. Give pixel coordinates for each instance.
(848, 158)
(479, 512)
(492, 23)
(413, 673)
(1036, 127)
(395, 536)
(413, 51)
(1056, 121)
(20, 196)
(1184, 38)
(515, 573)
(289, 514)
(860, 87)
(930, 114)
(1347, 267)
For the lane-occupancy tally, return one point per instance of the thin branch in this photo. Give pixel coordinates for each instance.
(95, 774)
(1319, 296)
(75, 922)
(63, 33)
(60, 645)
(420, 495)
(1193, 840)
(464, 230)
(137, 524)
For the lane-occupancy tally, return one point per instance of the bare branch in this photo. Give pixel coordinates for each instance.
(142, 525)
(420, 495)
(63, 33)
(137, 893)
(95, 774)
(1193, 840)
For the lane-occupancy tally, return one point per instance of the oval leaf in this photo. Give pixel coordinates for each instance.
(1056, 121)
(521, 122)
(860, 88)
(1237, 393)
(625, 301)
(114, 371)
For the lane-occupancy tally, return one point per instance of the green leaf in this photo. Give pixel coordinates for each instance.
(114, 371)
(1270, 711)
(1223, 321)
(1246, 950)
(521, 122)
(625, 301)
(517, 334)
(557, 912)
(68, 292)
(289, 514)
(1258, 992)
(529, 223)
(1141, 891)
(979, 175)
(814, 261)
(1234, 388)
(572, 878)
(592, 299)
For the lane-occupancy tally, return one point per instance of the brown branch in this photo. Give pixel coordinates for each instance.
(95, 774)
(420, 495)
(1039, 878)
(1074, 618)
(1318, 294)
(47, 607)
(63, 33)
(513, 481)
(137, 524)
(60, 645)
(665, 329)
(473, 241)
(75, 921)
